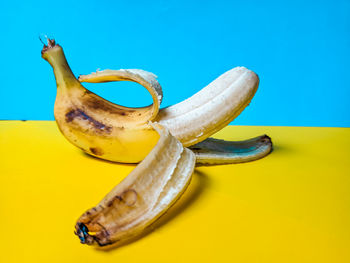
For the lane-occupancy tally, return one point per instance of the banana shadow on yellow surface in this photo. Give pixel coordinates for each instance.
(199, 183)
(86, 155)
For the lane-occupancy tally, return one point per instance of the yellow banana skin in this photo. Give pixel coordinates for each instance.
(122, 134)
(95, 125)
(142, 197)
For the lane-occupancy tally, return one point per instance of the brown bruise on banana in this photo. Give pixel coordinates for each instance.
(79, 114)
(93, 103)
(124, 114)
(94, 226)
(144, 78)
(82, 121)
(96, 151)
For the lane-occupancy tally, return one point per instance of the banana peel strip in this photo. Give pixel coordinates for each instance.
(214, 151)
(145, 78)
(142, 197)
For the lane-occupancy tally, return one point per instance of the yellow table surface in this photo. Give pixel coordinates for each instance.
(292, 206)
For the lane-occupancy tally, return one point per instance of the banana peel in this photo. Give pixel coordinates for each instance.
(142, 197)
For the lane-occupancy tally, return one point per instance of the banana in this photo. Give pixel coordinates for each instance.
(122, 134)
(142, 197)
(153, 137)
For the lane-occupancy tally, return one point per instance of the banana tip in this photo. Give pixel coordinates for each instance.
(82, 233)
(265, 139)
(50, 44)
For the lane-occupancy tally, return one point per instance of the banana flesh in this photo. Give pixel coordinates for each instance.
(142, 197)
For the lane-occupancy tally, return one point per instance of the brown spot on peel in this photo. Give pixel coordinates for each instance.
(80, 114)
(96, 151)
(111, 202)
(105, 106)
(128, 197)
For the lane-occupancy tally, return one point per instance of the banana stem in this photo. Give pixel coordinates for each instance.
(53, 53)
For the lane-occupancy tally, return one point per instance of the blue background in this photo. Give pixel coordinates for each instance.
(300, 50)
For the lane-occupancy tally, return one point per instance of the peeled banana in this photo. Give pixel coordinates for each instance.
(157, 138)
(122, 134)
(143, 196)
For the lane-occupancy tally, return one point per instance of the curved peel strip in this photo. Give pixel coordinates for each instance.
(145, 78)
(213, 151)
(142, 197)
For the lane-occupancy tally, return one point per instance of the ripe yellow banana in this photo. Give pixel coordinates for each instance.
(143, 196)
(117, 133)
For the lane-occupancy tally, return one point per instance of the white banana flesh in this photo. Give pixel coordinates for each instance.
(212, 108)
(142, 197)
